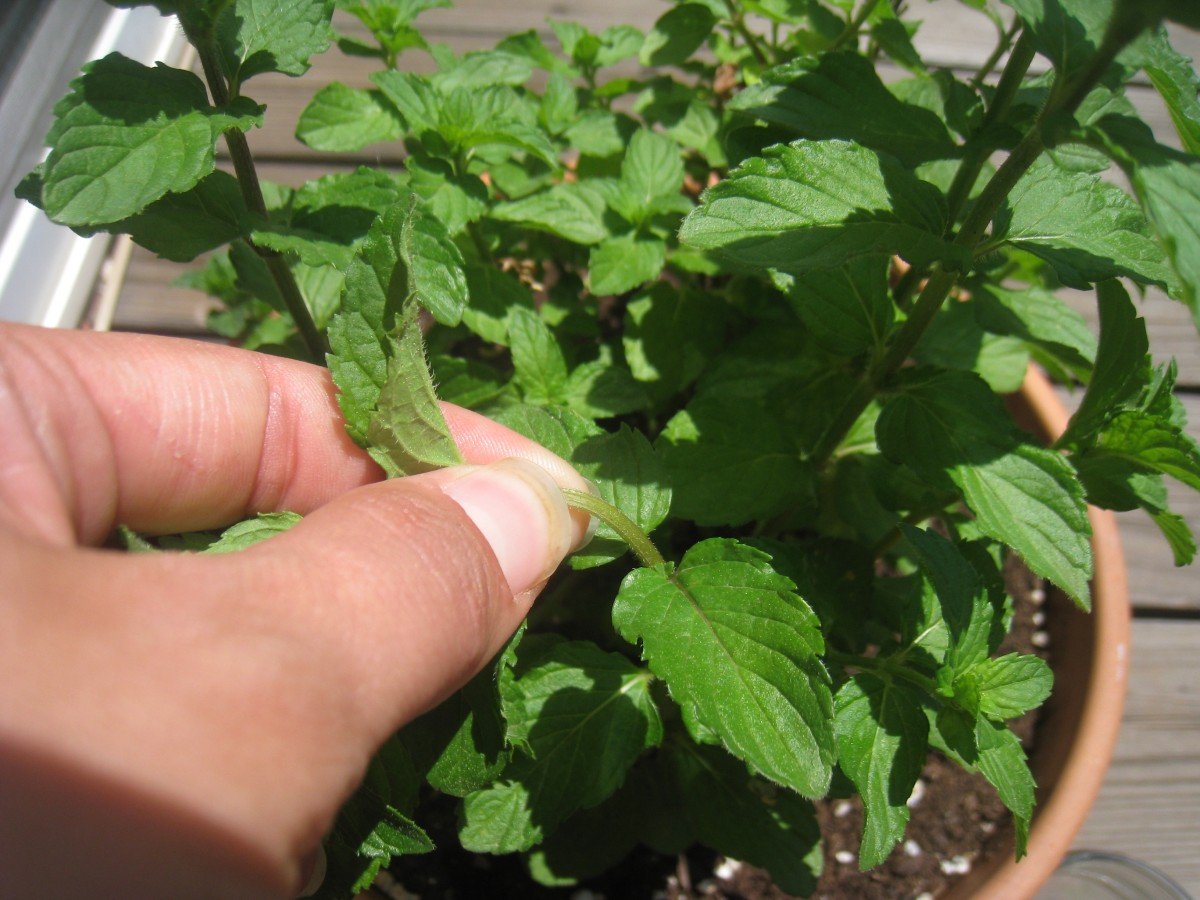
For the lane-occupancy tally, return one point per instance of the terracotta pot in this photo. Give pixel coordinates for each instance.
(1078, 726)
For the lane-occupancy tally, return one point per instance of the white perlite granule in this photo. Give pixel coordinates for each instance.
(918, 792)
(956, 865)
(727, 868)
(845, 857)
(1040, 639)
(912, 848)
(842, 808)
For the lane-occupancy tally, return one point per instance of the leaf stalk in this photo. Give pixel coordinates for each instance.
(627, 530)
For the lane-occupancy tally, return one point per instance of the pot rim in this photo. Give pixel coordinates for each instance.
(1061, 813)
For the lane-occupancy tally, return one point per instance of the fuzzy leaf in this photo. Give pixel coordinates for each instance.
(739, 652)
(651, 175)
(1037, 317)
(541, 368)
(1002, 761)
(408, 434)
(819, 205)
(882, 740)
(1067, 32)
(180, 227)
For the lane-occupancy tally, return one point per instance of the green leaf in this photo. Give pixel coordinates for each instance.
(1005, 687)
(395, 835)
(600, 133)
(840, 95)
(1067, 32)
(651, 176)
(454, 200)
(557, 429)
(848, 309)
(620, 264)
(1121, 369)
(541, 368)
(259, 36)
(467, 382)
(252, 531)
(128, 134)
(1167, 184)
(574, 211)
(670, 334)
(962, 600)
(408, 434)
(1039, 318)
(404, 257)
(629, 474)
(677, 34)
(956, 340)
(949, 425)
(484, 68)
(1002, 762)
(739, 652)
(744, 818)
(731, 462)
(603, 387)
(1086, 228)
(494, 295)
(1151, 444)
(882, 741)
(564, 705)
(559, 106)
(1176, 81)
(180, 227)
(589, 842)
(414, 97)
(1178, 534)
(340, 118)
(459, 744)
(819, 205)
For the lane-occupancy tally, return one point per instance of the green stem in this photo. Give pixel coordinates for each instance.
(853, 25)
(247, 176)
(738, 20)
(1002, 46)
(1063, 102)
(977, 153)
(881, 667)
(641, 545)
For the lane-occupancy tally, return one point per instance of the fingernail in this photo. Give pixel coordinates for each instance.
(315, 866)
(520, 512)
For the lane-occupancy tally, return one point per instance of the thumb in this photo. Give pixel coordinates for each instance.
(410, 586)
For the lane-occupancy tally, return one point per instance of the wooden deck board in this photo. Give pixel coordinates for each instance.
(1149, 807)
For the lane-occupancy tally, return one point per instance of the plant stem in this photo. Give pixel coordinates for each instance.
(247, 176)
(853, 25)
(1064, 100)
(977, 153)
(880, 666)
(641, 545)
(989, 64)
(738, 19)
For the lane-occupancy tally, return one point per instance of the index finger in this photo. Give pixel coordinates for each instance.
(166, 434)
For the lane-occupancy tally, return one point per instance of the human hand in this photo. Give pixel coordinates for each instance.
(184, 725)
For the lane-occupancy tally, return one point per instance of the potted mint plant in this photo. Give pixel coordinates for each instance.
(770, 306)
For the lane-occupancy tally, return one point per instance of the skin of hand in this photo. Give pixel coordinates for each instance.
(183, 725)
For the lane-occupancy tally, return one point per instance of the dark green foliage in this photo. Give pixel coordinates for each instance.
(705, 285)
